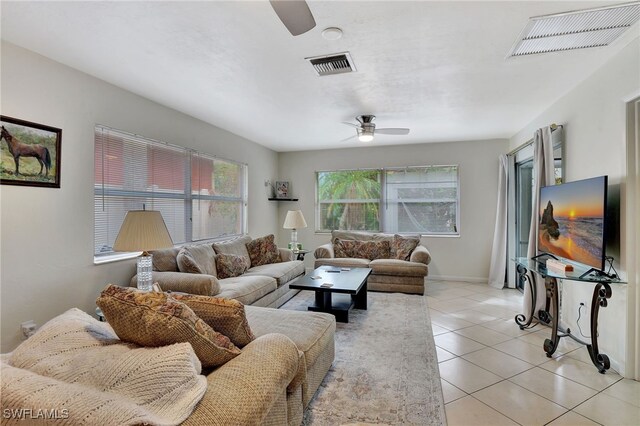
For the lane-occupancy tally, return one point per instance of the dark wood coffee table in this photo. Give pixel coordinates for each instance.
(351, 282)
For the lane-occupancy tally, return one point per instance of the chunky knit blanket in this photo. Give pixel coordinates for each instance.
(74, 370)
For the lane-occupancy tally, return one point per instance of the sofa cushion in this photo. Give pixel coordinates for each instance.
(283, 272)
(365, 249)
(226, 316)
(197, 259)
(344, 262)
(237, 246)
(246, 289)
(165, 260)
(231, 265)
(398, 267)
(156, 319)
(312, 332)
(263, 251)
(402, 246)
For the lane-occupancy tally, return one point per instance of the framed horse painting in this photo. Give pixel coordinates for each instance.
(29, 153)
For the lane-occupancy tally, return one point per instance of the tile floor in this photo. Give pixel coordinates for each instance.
(493, 373)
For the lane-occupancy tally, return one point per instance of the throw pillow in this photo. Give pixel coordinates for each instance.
(373, 250)
(226, 316)
(198, 259)
(344, 248)
(157, 319)
(401, 247)
(263, 251)
(231, 265)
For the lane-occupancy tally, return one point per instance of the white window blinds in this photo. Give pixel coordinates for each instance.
(132, 171)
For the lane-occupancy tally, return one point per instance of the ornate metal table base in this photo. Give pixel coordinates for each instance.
(520, 319)
(601, 293)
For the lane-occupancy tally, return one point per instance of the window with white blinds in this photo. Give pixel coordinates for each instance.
(200, 197)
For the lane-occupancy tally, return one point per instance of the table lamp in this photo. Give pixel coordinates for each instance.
(143, 230)
(294, 221)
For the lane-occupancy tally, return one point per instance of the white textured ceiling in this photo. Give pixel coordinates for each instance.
(438, 68)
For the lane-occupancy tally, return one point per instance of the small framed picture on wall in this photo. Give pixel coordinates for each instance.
(282, 189)
(29, 153)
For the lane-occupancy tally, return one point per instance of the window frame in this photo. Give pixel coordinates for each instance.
(102, 190)
(383, 200)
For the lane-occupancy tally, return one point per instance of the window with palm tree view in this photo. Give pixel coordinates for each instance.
(421, 200)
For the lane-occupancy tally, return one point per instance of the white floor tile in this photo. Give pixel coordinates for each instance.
(468, 411)
(508, 327)
(608, 410)
(524, 351)
(466, 376)
(578, 371)
(519, 404)
(483, 335)
(626, 390)
(556, 388)
(443, 355)
(475, 317)
(497, 362)
(448, 322)
(572, 419)
(438, 330)
(457, 344)
(450, 392)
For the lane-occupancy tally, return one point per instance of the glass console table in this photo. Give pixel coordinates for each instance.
(601, 292)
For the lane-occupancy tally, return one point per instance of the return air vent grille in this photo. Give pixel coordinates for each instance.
(576, 30)
(338, 63)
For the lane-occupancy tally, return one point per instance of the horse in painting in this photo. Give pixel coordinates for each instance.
(19, 149)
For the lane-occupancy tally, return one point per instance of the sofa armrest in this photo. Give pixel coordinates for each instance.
(286, 254)
(243, 391)
(325, 251)
(421, 255)
(202, 284)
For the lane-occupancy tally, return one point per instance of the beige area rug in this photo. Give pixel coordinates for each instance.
(385, 370)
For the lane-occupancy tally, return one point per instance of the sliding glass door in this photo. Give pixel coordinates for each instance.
(524, 187)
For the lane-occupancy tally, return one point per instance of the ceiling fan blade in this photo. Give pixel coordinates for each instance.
(295, 15)
(393, 131)
(349, 138)
(357, 126)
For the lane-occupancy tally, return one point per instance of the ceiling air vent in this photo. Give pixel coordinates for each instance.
(337, 63)
(575, 30)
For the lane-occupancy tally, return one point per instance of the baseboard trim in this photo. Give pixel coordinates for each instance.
(457, 278)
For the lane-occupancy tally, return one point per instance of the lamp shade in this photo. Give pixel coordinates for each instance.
(294, 220)
(143, 230)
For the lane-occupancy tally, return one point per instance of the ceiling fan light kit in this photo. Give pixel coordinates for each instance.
(367, 129)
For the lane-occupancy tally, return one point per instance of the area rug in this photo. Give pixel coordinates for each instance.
(385, 370)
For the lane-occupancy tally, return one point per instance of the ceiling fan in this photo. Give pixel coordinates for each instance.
(366, 129)
(294, 14)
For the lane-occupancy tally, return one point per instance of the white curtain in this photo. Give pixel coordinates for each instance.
(543, 175)
(498, 267)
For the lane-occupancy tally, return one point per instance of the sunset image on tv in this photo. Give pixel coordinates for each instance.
(572, 220)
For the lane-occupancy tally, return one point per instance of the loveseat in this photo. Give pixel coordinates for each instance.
(76, 368)
(399, 263)
(264, 285)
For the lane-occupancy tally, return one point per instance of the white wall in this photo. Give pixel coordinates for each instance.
(47, 234)
(465, 257)
(594, 117)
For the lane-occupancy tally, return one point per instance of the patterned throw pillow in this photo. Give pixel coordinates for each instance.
(226, 316)
(231, 265)
(344, 248)
(198, 259)
(371, 250)
(263, 251)
(401, 247)
(157, 319)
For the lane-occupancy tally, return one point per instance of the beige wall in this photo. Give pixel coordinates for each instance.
(47, 234)
(465, 257)
(594, 117)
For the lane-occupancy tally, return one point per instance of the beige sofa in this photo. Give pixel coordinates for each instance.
(270, 383)
(391, 275)
(265, 285)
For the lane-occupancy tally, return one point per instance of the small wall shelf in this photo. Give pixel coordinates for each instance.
(283, 199)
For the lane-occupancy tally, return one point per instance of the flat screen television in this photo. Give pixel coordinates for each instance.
(572, 221)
